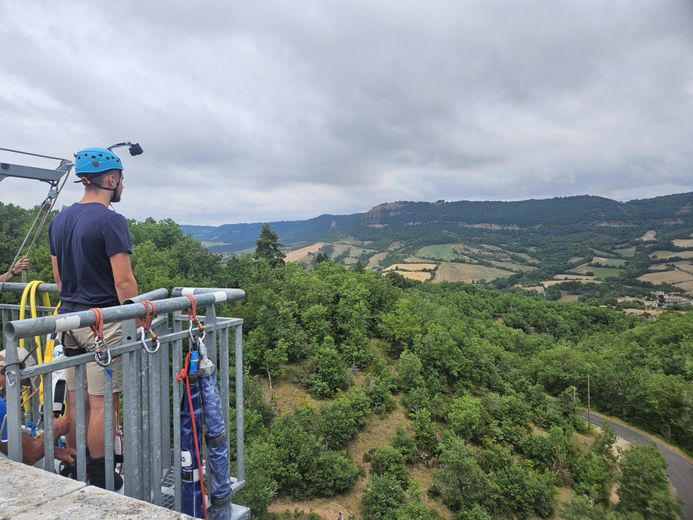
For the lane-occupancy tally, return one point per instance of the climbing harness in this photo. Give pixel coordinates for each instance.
(191, 421)
(146, 328)
(102, 354)
(199, 374)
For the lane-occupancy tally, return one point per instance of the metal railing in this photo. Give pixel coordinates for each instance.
(151, 395)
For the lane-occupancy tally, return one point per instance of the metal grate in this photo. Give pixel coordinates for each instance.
(168, 490)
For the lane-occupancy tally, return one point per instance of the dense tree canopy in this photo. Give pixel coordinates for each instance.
(472, 367)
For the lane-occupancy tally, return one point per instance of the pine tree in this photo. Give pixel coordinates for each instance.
(268, 247)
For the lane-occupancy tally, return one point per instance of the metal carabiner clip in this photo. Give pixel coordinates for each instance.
(155, 340)
(99, 354)
(203, 335)
(190, 333)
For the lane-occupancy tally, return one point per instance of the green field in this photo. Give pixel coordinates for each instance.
(445, 252)
(599, 252)
(609, 262)
(599, 272)
(626, 252)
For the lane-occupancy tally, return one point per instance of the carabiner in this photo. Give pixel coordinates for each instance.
(155, 340)
(99, 355)
(190, 332)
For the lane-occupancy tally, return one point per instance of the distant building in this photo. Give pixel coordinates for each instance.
(539, 289)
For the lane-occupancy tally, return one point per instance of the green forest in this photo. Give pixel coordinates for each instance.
(491, 383)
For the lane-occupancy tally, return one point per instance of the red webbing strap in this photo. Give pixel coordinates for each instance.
(97, 328)
(149, 314)
(192, 314)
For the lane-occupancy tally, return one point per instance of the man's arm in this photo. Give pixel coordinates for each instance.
(32, 449)
(124, 280)
(21, 265)
(56, 272)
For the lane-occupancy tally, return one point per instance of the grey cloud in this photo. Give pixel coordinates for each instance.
(272, 111)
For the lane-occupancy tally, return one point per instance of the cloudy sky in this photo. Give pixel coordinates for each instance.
(275, 110)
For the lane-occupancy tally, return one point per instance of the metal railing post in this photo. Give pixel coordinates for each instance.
(81, 437)
(240, 447)
(154, 426)
(131, 430)
(108, 440)
(13, 391)
(224, 384)
(48, 443)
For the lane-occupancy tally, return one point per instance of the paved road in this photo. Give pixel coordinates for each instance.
(680, 471)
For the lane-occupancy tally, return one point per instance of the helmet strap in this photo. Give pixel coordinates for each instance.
(88, 182)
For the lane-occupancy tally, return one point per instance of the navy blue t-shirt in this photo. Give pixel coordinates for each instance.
(83, 237)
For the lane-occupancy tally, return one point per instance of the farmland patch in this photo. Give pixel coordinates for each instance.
(419, 276)
(672, 277)
(549, 283)
(626, 252)
(649, 236)
(686, 243)
(685, 265)
(374, 261)
(569, 276)
(599, 252)
(445, 252)
(510, 266)
(663, 255)
(411, 267)
(299, 255)
(686, 286)
(599, 272)
(609, 262)
(455, 272)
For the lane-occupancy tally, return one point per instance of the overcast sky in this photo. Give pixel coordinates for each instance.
(275, 110)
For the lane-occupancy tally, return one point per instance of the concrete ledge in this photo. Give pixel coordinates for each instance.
(28, 493)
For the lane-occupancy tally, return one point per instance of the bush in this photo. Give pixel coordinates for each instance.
(378, 390)
(467, 417)
(644, 485)
(386, 460)
(405, 444)
(382, 496)
(328, 371)
(343, 418)
(592, 477)
(304, 468)
(416, 511)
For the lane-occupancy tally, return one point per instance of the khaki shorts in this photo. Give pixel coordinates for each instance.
(84, 338)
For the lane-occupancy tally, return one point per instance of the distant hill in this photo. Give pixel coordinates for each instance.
(565, 246)
(393, 220)
(232, 238)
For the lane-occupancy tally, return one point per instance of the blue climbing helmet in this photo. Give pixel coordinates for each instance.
(90, 161)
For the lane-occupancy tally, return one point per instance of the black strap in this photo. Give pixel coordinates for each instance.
(187, 476)
(218, 502)
(215, 442)
(72, 351)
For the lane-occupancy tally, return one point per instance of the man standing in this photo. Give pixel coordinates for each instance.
(90, 252)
